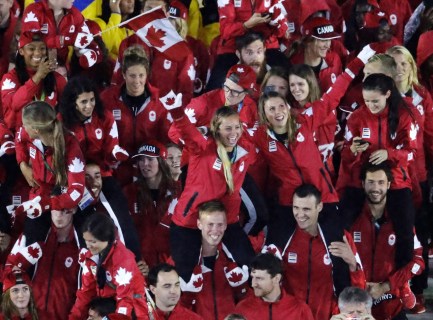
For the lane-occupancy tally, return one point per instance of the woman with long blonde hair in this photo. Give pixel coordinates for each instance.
(217, 168)
(55, 172)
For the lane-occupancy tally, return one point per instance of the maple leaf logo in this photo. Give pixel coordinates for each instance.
(169, 101)
(272, 249)
(76, 166)
(154, 36)
(30, 17)
(413, 131)
(240, 70)
(191, 72)
(222, 3)
(277, 12)
(82, 255)
(235, 277)
(33, 252)
(93, 55)
(123, 277)
(198, 283)
(191, 115)
(113, 132)
(8, 84)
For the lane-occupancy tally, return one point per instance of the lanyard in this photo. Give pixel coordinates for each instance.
(240, 106)
(42, 98)
(233, 156)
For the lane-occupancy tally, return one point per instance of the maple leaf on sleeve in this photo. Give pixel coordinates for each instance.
(8, 84)
(123, 277)
(30, 17)
(154, 36)
(76, 166)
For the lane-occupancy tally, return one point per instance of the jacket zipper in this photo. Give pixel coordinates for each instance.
(50, 277)
(380, 133)
(85, 137)
(310, 249)
(331, 189)
(215, 308)
(270, 311)
(404, 173)
(295, 163)
(373, 236)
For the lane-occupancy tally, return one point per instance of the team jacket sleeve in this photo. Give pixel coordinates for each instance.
(111, 138)
(186, 78)
(21, 140)
(14, 96)
(327, 104)
(428, 128)
(85, 294)
(193, 140)
(405, 142)
(357, 278)
(229, 27)
(398, 278)
(76, 178)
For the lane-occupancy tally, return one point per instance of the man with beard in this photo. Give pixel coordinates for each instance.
(375, 239)
(164, 284)
(250, 49)
(270, 301)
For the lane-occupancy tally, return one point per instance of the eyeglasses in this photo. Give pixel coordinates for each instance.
(234, 93)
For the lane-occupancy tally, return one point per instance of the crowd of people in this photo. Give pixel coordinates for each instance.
(227, 159)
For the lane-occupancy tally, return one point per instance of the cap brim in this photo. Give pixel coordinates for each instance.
(145, 155)
(328, 37)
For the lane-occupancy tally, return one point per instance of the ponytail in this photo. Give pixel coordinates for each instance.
(42, 117)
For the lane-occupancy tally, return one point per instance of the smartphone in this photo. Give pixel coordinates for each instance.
(265, 14)
(360, 141)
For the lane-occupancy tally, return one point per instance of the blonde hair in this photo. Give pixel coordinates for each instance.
(9, 309)
(220, 114)
(135, 55)
(42, 117)
(291, 125)
(181, 26)
(413, 74)
(386, 62)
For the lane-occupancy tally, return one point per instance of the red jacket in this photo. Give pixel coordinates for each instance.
(165, 74)
(53, 291)
(301, 161)
(16, 96)
(124, 283)
(377, 250)
(201, 109)
(374, 129)
(308, 272)
(33, 151)
(205, 180)
(38, 17)
(152, 223)
(98, 137)
(6, 38)
(330, 69)
(201, 63)
(287, 307)
(178, 313)
(233, 13)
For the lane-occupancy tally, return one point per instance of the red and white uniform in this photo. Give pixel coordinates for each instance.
(54, 292)
(376, 246)
(287, 307)
(330, 69)
(201, 63)
(178, 313)
(38, 17)
(152, 223)
(41, 158)
(98, 138)
(165, 74)
(308, 272)
(200, 111)
(300, 162)
(124, 283)
(151, 122)
(205, 166)
(6, 37)
(374, 129)
(233, 13)
(16, 96)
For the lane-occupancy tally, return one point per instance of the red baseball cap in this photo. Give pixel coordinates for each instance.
(12, 278)
(319, 28)
(372, 19)
(177, 10)
(243, 75)
(152, 149)
(28, 37)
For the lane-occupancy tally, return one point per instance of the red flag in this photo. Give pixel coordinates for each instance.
(156, 31)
